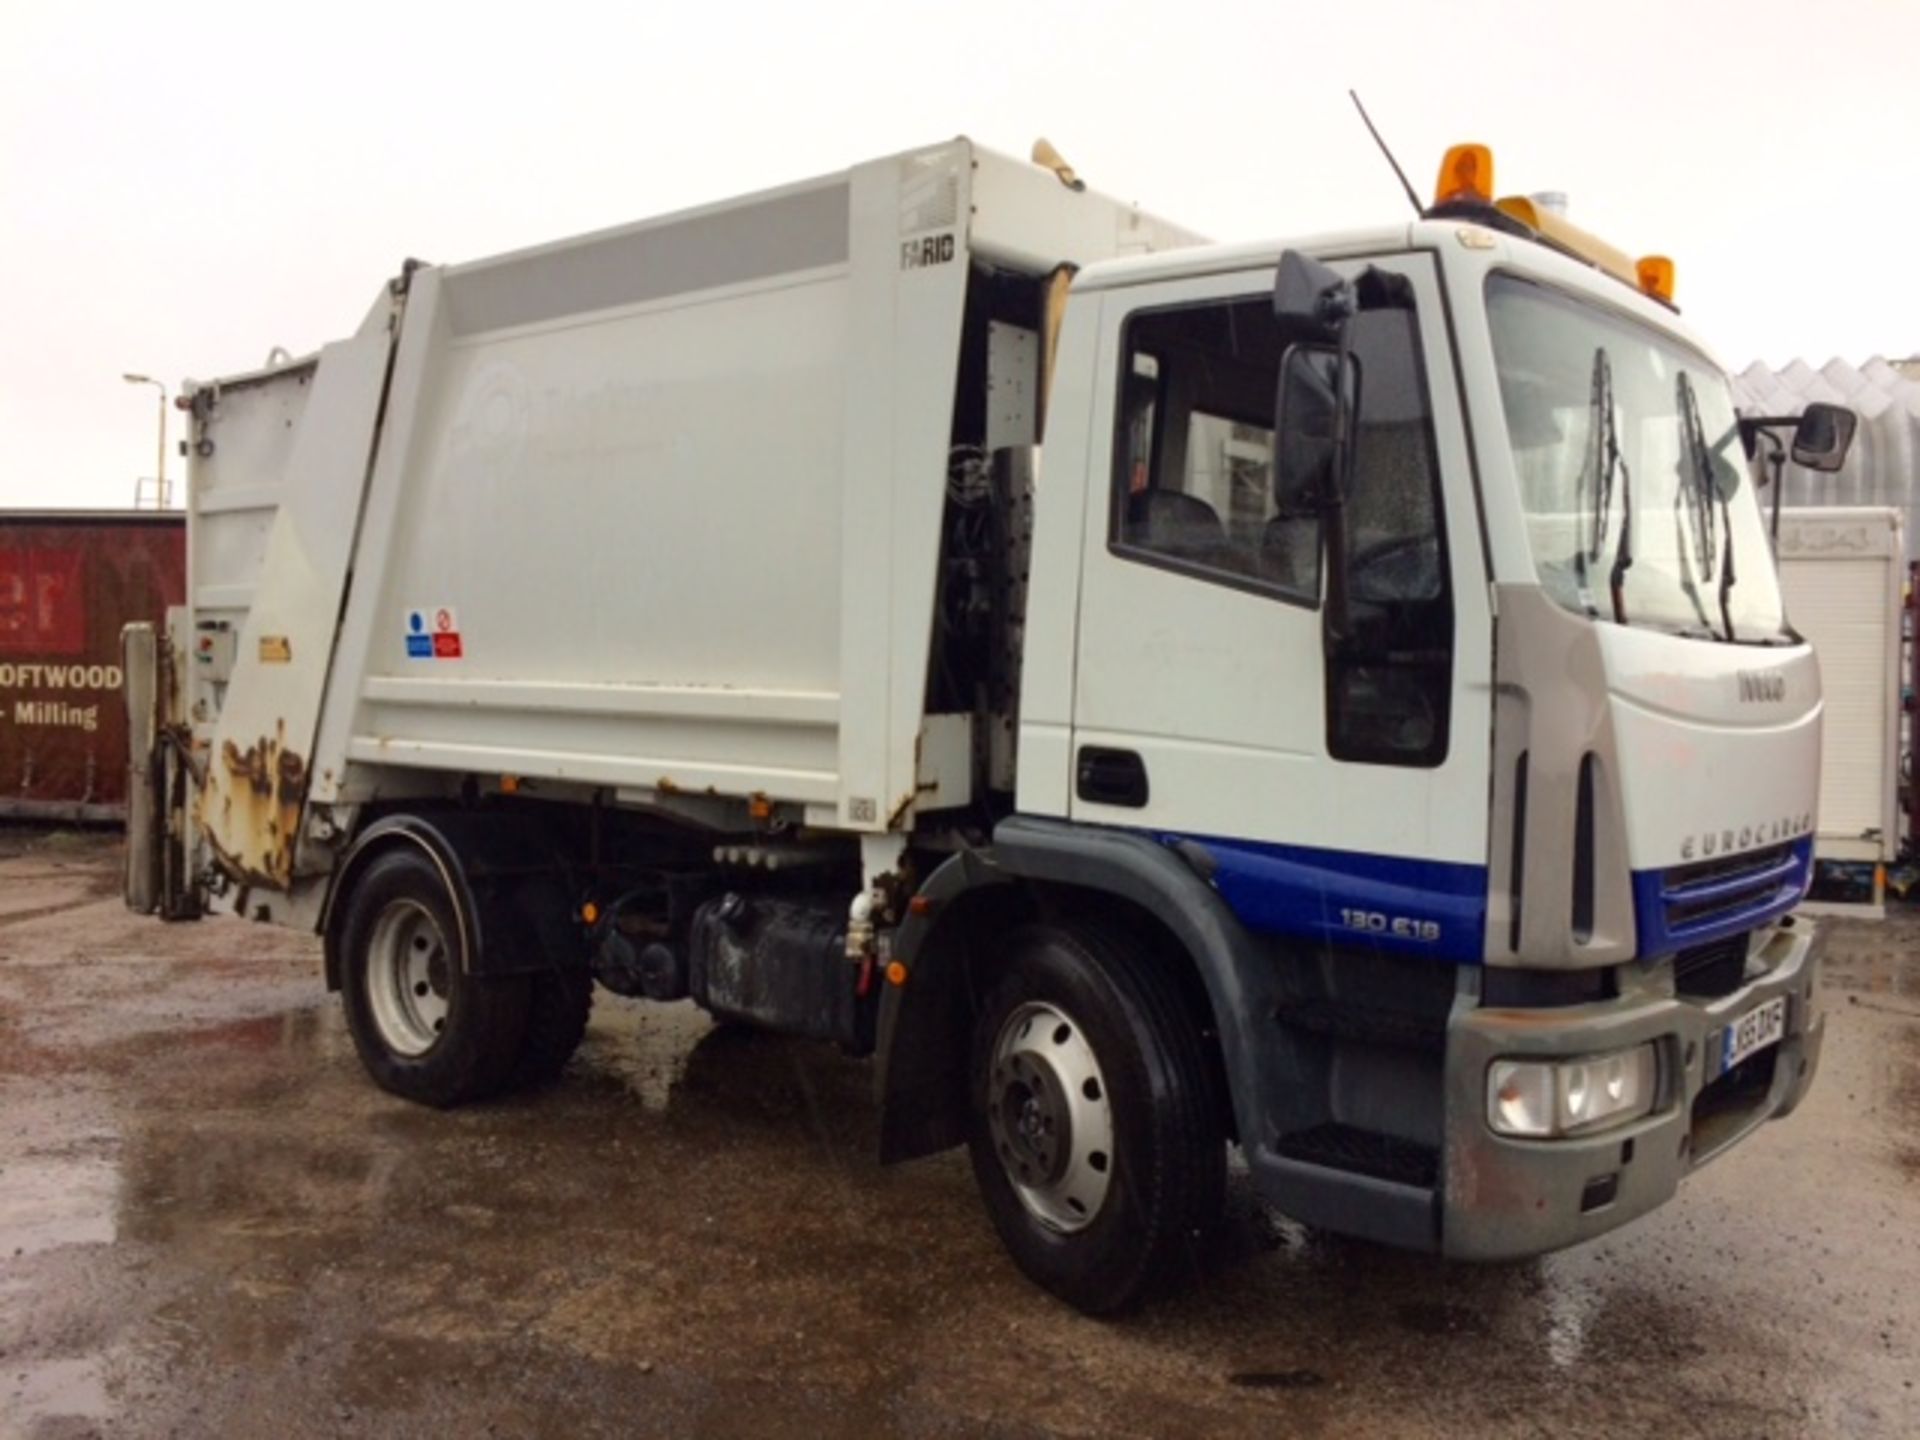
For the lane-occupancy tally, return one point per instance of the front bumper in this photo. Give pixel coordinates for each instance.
(1505, 1198)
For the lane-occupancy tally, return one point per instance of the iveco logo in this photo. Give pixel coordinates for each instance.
(1758, 685)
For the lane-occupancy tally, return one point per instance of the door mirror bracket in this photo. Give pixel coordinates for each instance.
(1821, 435)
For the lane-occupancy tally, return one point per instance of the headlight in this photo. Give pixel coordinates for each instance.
(1544, 1098)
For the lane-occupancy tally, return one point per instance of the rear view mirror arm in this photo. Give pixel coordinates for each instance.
(1776, 458)
(1754, 428)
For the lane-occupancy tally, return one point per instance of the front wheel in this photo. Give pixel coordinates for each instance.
(1096, 1135)
(425, 1028)
(559, 1003)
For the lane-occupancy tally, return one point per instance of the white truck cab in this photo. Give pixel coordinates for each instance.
(1651, 779)
(1331, 696)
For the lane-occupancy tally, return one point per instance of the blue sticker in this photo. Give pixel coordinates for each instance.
(416, 622)
(419, 647)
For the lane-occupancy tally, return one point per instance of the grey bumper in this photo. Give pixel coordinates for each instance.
(1503, 1198)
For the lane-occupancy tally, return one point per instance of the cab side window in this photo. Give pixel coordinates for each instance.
(1202, 488)
(1195, 484)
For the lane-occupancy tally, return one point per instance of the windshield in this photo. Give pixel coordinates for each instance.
(1639, 504)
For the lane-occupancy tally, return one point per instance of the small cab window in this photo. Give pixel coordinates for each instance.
(1393, 500)
(1389, 680)
(1196, 475)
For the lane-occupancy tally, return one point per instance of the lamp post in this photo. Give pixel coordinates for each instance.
(160, 475)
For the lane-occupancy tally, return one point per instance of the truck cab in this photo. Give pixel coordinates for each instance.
(1567, 969)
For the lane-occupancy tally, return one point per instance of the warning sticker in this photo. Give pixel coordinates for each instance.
(433, 634)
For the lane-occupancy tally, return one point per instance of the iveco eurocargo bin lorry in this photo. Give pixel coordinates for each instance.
(1328, 697)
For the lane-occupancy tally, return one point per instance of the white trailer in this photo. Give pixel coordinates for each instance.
(1352, 744)
(1843, 570)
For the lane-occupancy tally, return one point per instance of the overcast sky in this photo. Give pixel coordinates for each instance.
(185, 186)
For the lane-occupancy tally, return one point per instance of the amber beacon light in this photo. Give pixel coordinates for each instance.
(1466, 173)
(1656, 276)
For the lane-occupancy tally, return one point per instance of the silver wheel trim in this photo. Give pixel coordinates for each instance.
(409, 976)
(1050, 1117)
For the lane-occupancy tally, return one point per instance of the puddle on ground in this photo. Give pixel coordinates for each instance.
(40, 1391)
(1277, 1379)
(1428, 1317)
(1570, 1308)
(1876, 960)
(53, 1201)
(646, 1045)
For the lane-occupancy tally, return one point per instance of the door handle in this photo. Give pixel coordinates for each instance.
(1111, 777)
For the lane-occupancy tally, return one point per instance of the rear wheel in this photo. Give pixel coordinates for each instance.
(1096, 1137)
(425, 1028)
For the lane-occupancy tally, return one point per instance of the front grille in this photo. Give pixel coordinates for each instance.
(1702, 901)
(1709, 972)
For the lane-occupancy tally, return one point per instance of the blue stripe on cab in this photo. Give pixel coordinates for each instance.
(1342, 897)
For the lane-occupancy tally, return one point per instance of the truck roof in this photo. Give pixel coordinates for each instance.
(1496, 249)
(1207, 259)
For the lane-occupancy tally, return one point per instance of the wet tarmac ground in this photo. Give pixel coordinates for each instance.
(212, 1224)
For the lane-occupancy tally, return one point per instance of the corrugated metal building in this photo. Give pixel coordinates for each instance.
(1883, 467)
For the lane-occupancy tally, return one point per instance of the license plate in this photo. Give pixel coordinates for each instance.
(1753, 1032)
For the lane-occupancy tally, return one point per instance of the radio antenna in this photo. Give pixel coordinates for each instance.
(1413, 197)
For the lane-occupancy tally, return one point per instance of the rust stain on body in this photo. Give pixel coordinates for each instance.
(259, 791)
(898, 814)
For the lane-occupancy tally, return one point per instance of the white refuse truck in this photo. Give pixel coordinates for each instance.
(1330, 698)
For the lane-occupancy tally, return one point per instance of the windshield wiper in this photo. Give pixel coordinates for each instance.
(1702, 489)
(1602, 461)
(1692, 510)
(1593, 518)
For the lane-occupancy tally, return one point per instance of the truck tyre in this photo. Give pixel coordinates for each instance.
(1096, 1137)
(425, 1028)
(558, 1004)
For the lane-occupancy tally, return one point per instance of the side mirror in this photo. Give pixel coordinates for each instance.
(1307, 409)
(1823, 436)
(1314, 418)
(1317, 409)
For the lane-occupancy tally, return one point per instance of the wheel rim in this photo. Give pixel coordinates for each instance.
(1050, 1117)
(409, 977)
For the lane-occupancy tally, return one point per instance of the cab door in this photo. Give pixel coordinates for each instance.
(1336, 781)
